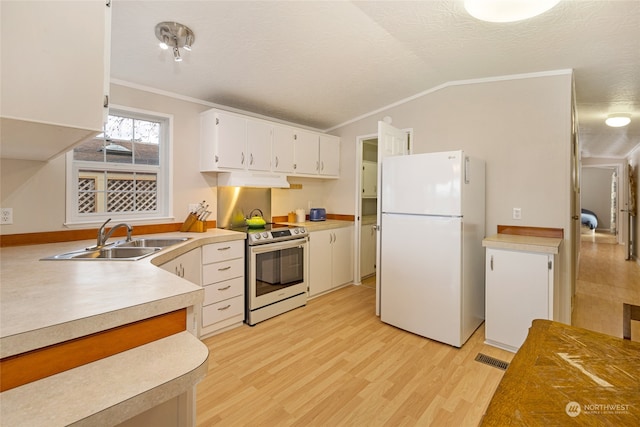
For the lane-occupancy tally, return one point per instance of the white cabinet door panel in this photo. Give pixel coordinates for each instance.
(517, 291)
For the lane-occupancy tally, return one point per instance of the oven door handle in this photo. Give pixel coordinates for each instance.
(271, 247)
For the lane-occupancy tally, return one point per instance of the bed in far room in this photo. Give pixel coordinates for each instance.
(589, 219)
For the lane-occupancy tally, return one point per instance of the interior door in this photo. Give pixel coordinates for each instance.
(391, 142)
(628, 202)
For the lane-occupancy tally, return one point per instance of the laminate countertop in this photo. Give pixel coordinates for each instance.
(568, 376)
(328, 224)
(547, 245)
(46, 302)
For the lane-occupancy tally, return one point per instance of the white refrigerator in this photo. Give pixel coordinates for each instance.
(431, 254)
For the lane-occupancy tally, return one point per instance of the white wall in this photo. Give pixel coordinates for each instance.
(36, 190)
(520, 127)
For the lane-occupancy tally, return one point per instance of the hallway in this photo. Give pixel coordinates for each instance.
(605, 282)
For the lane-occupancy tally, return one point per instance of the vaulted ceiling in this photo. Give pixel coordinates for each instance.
(323, 63)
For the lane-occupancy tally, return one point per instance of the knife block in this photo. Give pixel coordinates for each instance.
(193, 224)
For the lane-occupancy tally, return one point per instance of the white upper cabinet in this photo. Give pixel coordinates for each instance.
(234, 142)
(329, 155)
(317, 154)
(369, 179)
(282, 149)
(259, 136)
(55, 75)
(306, 153)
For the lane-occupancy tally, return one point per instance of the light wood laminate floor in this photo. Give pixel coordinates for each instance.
(605, 282)
(334, 363)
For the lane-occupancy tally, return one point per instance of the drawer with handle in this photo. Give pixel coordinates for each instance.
(221, 271)
(216, 252)
(222, 310)
(220, 291)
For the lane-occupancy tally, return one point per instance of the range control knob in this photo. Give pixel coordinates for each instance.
(256, 236)
(295, 231)
(265, 234)
(302, 230)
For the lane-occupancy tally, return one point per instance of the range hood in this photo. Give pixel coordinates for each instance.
(252, 179)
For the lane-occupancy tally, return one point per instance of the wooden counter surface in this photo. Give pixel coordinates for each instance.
(563, 376)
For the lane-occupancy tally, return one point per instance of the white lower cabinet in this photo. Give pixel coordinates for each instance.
(519, 289)
(187, 266)
(223, 282)
(367, 250)
(331, 259)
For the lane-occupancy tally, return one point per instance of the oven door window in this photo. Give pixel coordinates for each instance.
(279, 269)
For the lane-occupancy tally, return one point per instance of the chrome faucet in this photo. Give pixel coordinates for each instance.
(102, 237)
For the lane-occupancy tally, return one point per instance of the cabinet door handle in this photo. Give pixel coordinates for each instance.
(225, 288)
(277, 161)
(224, 268)
(242, 158)
(322, 165)
(318, 165)
(491, 262)
(226, 307)
(225, 248)
(251, 158)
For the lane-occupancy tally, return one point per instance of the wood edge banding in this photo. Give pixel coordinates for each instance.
(516, 230)
(34, 365)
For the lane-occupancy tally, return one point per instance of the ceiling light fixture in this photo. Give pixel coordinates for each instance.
(507, 10)
(617, 120)
(175, 35)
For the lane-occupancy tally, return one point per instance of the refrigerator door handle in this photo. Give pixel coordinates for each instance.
(467, 173)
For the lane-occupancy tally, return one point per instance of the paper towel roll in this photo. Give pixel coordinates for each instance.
(300, 216)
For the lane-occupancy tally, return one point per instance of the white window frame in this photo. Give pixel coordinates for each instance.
(164, 171)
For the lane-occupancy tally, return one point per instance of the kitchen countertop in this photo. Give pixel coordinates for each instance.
(48, 302)
(547, 245)
(312, 226)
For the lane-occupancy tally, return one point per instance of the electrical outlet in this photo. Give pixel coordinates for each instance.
(6, 216)
(517, 213)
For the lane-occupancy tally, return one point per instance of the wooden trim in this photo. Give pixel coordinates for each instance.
(84, 234)
(41, 363)
(341, 217)
(557, 233)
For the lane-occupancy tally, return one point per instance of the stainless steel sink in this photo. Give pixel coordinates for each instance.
(120, 251)
(112, 253)
(152, 243)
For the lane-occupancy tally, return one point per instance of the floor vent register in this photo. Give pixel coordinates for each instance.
(492, 361)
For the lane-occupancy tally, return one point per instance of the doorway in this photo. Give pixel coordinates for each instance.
(368, 208)
(599, 196)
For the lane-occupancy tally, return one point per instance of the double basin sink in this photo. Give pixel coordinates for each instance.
(132, 250)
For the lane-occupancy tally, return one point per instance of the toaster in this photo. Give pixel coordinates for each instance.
(317, 214)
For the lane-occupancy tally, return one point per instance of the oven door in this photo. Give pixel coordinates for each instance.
(276, 272)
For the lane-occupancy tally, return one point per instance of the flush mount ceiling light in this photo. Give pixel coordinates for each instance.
(617, 120)
(175, 36)
(507, 10)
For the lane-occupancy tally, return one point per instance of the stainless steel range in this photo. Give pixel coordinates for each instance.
(277, 272)
(277, 264)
